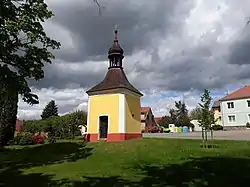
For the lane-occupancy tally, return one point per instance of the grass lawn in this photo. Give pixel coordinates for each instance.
(144, 162)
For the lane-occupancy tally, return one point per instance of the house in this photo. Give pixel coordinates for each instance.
(217, 112)
(235, 109)
(147, 117)
(19, 126)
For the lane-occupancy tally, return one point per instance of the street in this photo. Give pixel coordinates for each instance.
(218, 135)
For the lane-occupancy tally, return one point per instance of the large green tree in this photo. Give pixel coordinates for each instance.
(24, 50)
(50, 110)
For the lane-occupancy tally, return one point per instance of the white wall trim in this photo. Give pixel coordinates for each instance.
(122, 116)
(98, 124)
(88, 117)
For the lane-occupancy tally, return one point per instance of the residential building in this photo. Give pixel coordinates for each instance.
(235, 108)
(147, 117)
(217, 112)
(19, 126)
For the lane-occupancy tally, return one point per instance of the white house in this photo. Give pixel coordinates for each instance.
(235, 108)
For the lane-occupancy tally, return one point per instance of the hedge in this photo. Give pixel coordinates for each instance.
(61, 127)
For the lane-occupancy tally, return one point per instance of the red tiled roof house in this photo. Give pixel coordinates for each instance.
(147, 117)
(235, 108)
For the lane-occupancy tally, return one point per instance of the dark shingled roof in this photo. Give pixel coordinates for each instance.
(115, 78)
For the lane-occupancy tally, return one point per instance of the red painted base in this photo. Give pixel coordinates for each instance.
(114, 137)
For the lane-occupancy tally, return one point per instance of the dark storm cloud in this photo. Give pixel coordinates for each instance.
(141, 27)
(93, 34)
(240, 49)
(195, 62)
(196, 68)
(61, 78)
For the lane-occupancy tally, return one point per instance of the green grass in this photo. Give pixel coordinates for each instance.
(145, 162)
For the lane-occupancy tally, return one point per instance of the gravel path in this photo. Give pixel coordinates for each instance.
(219, 135)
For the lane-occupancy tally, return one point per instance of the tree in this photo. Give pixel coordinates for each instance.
(194, 114)
(8, 117)
(76, 119)
(181, 114)
(173, 115)
(50, 110)
(24, 50)
(206, 117)
(165, 121)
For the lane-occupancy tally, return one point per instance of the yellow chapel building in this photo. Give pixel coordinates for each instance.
(114, 104)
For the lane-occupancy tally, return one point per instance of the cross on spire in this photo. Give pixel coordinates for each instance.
(116, 33)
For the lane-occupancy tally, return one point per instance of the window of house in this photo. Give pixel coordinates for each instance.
(231, 118)
(219, 118)
(248, 117)
(248, 103)
(219, 110)
(230, 105)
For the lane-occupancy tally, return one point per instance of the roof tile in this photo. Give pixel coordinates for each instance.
(239, 94)
(115, 78)
(145, 109)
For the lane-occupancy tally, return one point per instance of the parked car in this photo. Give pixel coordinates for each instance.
(153, 129)
(166, 130)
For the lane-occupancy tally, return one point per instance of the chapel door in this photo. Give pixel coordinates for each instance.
(103, 127)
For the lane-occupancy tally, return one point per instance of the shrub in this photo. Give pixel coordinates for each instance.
(58, 126)
(217, 127)
(23, 138)
(38, 139)
(248, 125)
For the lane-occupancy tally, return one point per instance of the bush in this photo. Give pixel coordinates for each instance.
(248, 125)
(26, 138)
(58, 126)
(38, 139)
(23, 138)
(217, 127)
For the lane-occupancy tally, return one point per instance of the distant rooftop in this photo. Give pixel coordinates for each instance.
(216, 104)
(238, 94)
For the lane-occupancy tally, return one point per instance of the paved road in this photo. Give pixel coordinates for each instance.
(219, 135)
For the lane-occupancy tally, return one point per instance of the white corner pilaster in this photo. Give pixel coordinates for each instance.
(122, 114)
(88, 114)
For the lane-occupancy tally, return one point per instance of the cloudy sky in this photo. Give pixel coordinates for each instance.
(173, 50)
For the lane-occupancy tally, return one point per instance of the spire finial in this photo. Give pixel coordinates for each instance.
(116, 33)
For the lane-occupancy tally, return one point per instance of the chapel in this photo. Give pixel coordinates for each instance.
(114, 103)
